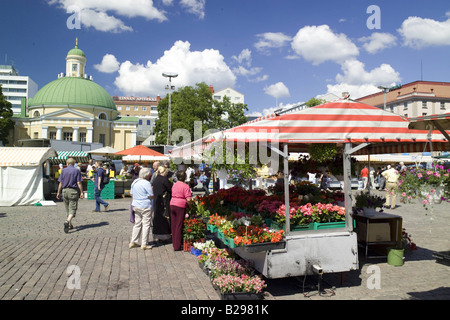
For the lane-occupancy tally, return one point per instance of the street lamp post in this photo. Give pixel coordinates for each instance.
(385, 90)
(169, 75)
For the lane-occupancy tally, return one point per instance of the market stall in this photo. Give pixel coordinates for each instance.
(22, 175)
(357, 129)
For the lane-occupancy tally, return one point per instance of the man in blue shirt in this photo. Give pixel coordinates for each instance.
(98, 186)
(71, 188)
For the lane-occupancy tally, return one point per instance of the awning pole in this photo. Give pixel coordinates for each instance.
(348, 187)
(286, 187)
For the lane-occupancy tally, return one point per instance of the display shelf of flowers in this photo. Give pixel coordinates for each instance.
(430, 186)
(232, 277)
(255, 219)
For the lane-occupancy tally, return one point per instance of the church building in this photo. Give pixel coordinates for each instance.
(75, 108)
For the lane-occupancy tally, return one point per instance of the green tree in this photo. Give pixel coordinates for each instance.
(314, 102)
(229, 115)
(191, 104)
(6, 124)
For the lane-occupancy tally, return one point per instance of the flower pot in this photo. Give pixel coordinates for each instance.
(395, 256)
(369, 212)
(187, 244)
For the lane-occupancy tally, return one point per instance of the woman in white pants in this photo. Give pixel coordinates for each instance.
(142, 193)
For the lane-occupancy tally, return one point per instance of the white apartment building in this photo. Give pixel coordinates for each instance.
(235, 97)
(16, 87)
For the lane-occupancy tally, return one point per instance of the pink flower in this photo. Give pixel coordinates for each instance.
(404, 194)
(425, 201)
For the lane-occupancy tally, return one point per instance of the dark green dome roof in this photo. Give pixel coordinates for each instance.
(73, 91)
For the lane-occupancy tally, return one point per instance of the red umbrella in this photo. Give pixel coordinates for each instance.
(141, 150)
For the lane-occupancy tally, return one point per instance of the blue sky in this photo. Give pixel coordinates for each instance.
(272, 51)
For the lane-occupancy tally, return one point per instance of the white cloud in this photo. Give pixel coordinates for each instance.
(359, 82)
(277, 90)
(245, 57)
(102, 15)
(192, 67)
(318, 44)
(420, 32)
(271, 40)
(196, 7)
(378, 41)
(354, 73)
(102, 21)
(109, 64)
(244, 68)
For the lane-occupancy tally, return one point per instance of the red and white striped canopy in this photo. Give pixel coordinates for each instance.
(337, 122)
(342, 121)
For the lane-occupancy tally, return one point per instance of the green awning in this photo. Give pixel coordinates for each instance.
(79, 156)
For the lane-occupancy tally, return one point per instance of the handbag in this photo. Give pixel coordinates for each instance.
(131, 214)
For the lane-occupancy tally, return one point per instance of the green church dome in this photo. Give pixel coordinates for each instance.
(73, 91)
(76, 52)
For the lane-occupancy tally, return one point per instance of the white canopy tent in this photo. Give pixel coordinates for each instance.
(21, 175)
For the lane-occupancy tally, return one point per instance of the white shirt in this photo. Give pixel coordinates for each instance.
(141, 190)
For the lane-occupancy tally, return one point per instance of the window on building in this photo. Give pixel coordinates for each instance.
(424, 105)
(74, 67)
(140, 122)
(154, 108)
(102, 116)
(82, 136)
(442, 105)
(127, 108)
(36, 114)
(67, 136)
(102, 138)
(119, 108)
(36, 135)
(405, 106)
(424, 113)
(52, 135)
(136, 108)
(149, 122)
(144, 108)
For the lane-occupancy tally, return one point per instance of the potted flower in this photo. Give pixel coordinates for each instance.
(368, 202)
(193, 231)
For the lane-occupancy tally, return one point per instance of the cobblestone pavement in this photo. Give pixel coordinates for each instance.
(36, 258)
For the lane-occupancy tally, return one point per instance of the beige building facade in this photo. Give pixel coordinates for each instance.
(415, 99)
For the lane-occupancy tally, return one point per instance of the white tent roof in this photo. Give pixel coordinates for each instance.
(24, 156)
